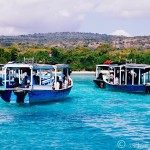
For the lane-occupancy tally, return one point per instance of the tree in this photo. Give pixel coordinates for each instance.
(57, 55)
(42, 56)
(104, 48)
(1, 52)
(14, 54)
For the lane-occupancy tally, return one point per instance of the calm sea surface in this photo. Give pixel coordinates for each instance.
(88, 119)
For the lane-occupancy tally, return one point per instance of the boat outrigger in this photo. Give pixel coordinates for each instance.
(32, 83)
(134, 78)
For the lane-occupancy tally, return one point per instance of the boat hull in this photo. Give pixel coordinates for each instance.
(127, 88)
(99, 83)
(34, 96)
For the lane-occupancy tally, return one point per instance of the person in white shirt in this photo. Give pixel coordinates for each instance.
(56, 84)
(116, 80)
(66, 82)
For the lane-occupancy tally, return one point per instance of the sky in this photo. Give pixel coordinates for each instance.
(112, 17)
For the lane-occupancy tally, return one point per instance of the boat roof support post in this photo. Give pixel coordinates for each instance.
(120, 77)
(109, 73)
(55, 75)
(148, 76)
(40, 76)
(125, 76)
(144, 78)
(19, 75)
(3, 73)
(139, 82)
(96, 72)
(133, 76)
(9, 76)
(5, 76)
(31, 77)
(114, 74)
(14, 73)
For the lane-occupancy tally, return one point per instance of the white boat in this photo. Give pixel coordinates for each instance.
(33, 83)
(133, 78)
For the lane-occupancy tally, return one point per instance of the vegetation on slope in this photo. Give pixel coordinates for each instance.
(79, 58)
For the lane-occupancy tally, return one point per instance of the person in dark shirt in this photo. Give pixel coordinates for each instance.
(16, 83)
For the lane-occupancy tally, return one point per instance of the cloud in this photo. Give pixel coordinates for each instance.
(124, 8)
(39, 16)
(25, 16)
(121, 32)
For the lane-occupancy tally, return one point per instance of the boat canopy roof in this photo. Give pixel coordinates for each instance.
(131, 66)
(17, 65)
(107, 65)
(35, 66)
(137, 66)
(47, 66)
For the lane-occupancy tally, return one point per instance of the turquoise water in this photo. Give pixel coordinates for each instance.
(88, 119)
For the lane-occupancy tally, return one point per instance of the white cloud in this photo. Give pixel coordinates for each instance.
(39, 16)
(124, 8)
(25, 16)
(64, 13)
(10, 31)
(121, 32)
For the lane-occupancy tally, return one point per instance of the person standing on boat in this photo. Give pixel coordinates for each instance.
(24, 81)
(116, 81)
(16, 83)
(56, 84)
(66, 83)
(111, 78)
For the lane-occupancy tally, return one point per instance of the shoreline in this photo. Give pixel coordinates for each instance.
(83, 72)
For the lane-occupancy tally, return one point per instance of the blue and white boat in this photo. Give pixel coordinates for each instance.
(34, 83)
(134, 78)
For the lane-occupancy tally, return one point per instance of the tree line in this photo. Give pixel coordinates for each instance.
(79, 58)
